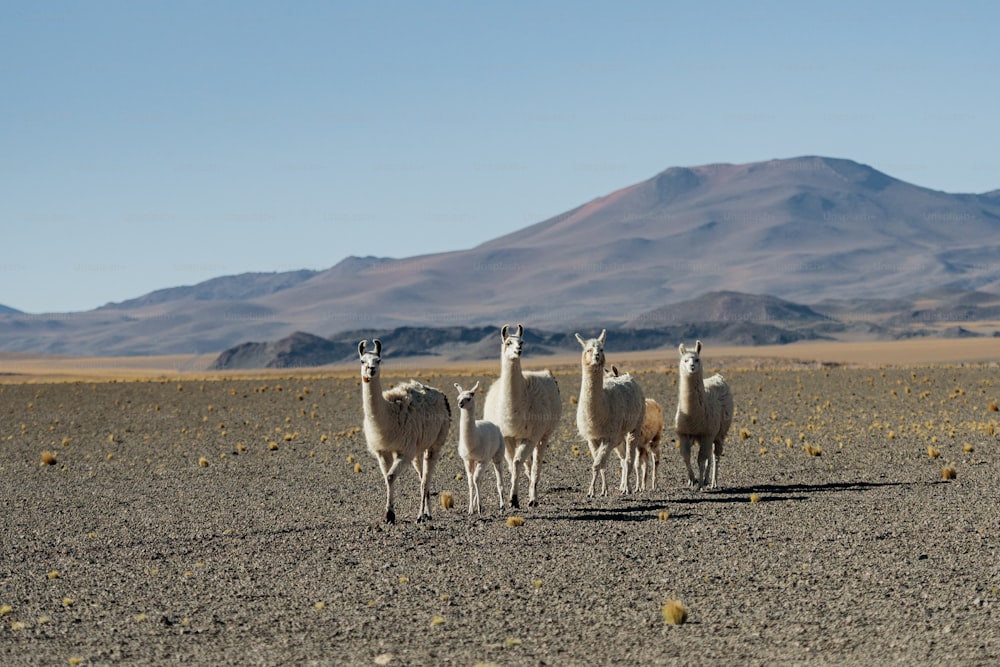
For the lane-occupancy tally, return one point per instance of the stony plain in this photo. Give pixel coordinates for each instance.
(236, 521)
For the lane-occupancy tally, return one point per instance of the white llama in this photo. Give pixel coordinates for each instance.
(704, 415)
(409, 422)
(647, 454)
(527, 408)
(609, 413)
(479, 441)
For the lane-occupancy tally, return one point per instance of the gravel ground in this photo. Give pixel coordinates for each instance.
(237, 522)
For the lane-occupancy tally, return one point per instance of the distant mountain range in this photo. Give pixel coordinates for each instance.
(837, 235)
(724, 317)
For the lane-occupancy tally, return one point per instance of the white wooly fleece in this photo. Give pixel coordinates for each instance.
(704, 416)
(479, 442)
(408, 422)
(610, 411)
(527, 407)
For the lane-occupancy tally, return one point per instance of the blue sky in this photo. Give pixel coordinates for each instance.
(154, 144)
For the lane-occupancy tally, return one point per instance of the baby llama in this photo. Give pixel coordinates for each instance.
(704, 415)
(408, 422)
(610, 411)
(527, 407)
(479, 441)
(649, 445)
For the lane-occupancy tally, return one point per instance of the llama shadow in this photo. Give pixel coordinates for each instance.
(781, 492)
(627, 513)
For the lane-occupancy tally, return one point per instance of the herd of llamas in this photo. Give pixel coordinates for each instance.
(409, 423)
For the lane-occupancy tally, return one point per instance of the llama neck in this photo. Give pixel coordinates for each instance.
(692, 393)
(372, 400)
(467, 423)
(592, 398)
(511, 378)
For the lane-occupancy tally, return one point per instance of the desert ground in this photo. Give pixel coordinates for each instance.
(157, 516)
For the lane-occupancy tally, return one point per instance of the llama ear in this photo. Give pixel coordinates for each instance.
(503, 332)
(361, 349)
(459, 387)
(520, 330)
(582, 341)
(603, 336)
(475, 387)
(378, 346)
(682, 349)
(697, 346)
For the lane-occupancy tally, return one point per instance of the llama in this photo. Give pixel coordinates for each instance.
(704, 415)
(649, 445)
(647, 454)
(408, 422)
(610, 412)
(527, 407)
(479, 441)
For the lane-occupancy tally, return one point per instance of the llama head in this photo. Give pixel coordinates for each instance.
(593, 349)
(370, 360)
(513, 343)
(466, 396)
(690, 363)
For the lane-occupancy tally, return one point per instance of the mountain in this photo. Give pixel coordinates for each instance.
(7, 310)
(807, 230)
(727, 306)
(227, 288)
(296, 350)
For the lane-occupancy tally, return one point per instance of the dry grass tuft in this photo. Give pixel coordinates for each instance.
(203, 462)
(663, 515)
(674, 612)
(993, 406)
(933, 452)
(437, 620)
(813, 450)
(515, 521)
(49, 458)
(357, 467)
(447, 500)
(754, 498)
(949, 472)
(967, 448)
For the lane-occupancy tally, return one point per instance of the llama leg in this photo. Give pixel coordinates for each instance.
(600, 463)
(593, 477)
(685, 446)
(631, 462)
(704, 460)
(716, 456)
(652, 470)
(515, 463)
(498, 470)
(427, 463)
(641, 466)
(470, 469)
(389, 462)
(476, 475)
(536, 467)
(623, 461)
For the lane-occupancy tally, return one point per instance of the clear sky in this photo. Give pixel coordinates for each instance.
(149, 144)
